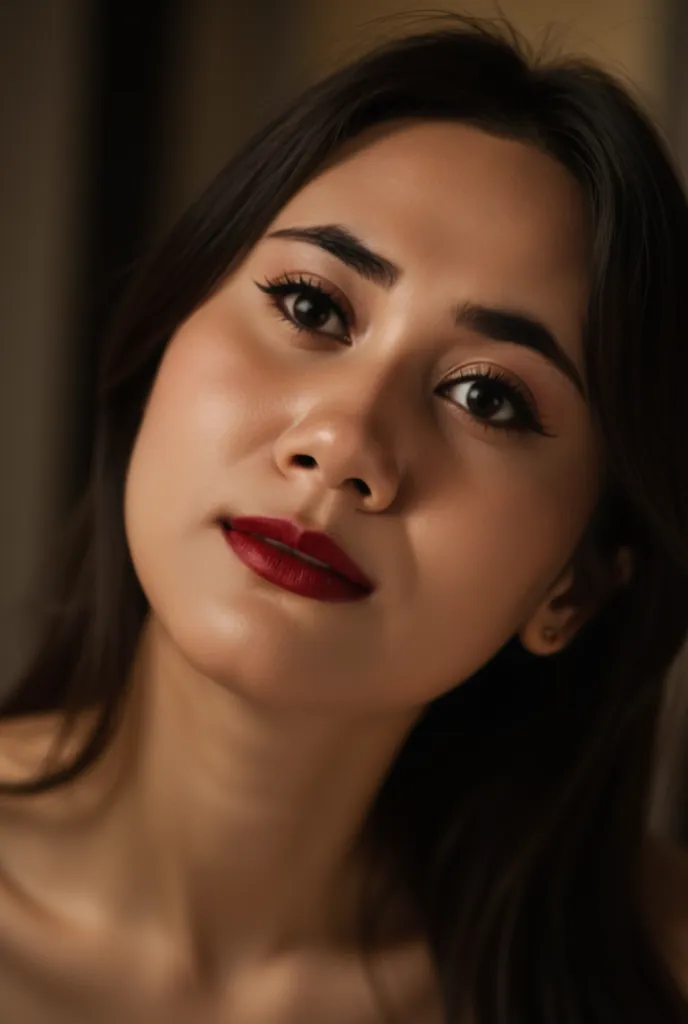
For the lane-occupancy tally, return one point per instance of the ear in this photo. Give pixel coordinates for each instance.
(575, 596)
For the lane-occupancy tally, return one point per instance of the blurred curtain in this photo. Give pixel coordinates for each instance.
(43, 49)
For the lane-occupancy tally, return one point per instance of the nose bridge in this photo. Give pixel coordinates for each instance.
(360, 388)
(361, 398)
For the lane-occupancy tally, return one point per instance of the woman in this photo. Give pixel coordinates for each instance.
(350, 688)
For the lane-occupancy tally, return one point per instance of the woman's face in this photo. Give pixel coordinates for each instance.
(320, 384)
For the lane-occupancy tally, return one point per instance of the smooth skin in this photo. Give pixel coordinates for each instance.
(201, 872)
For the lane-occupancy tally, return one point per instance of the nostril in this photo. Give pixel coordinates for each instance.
(308, 462)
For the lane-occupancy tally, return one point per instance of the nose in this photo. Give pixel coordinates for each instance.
(342, 450)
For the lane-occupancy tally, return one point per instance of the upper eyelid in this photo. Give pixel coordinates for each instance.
(333, 293)
(500, 374)
(482, 369)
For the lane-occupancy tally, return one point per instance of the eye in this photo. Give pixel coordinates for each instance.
(307, 306)
(495, 401)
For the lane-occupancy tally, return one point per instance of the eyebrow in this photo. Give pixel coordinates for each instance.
(495, 323)
(340, 242)
(519, 328)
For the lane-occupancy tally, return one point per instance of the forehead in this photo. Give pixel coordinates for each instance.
(496, 215)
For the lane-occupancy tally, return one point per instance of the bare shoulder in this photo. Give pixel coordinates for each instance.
(409, 977)
(666, 899)
(26, 733)
(32, 747)
(26, 743)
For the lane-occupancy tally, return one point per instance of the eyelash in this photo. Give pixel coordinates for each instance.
(527, 419)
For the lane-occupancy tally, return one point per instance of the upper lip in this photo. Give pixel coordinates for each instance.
(308, 542)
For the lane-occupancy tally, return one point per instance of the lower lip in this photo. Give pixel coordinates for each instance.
(289, 571)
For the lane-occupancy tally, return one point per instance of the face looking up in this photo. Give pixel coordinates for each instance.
(419, 400)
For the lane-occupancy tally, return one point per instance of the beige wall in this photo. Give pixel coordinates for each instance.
(235, 63)
(626, 35)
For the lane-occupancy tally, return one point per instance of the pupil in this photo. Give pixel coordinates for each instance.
(312, 312)
(485, 405)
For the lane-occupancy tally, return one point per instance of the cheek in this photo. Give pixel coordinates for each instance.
(208, 406)
(485, 561)
(211, 410)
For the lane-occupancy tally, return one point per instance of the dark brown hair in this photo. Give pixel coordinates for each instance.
(515, 813)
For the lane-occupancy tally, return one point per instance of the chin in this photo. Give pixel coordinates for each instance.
(250, 647)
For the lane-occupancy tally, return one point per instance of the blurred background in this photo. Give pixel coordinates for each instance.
(114, 115)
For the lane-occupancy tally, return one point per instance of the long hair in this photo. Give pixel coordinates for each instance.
(515, 813)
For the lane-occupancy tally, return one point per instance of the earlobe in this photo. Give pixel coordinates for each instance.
(549, 632)
(557, 621)
(551, 626)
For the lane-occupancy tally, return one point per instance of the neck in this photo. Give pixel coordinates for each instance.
(232, 827)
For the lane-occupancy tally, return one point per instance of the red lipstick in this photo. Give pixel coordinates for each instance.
(305, 562)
